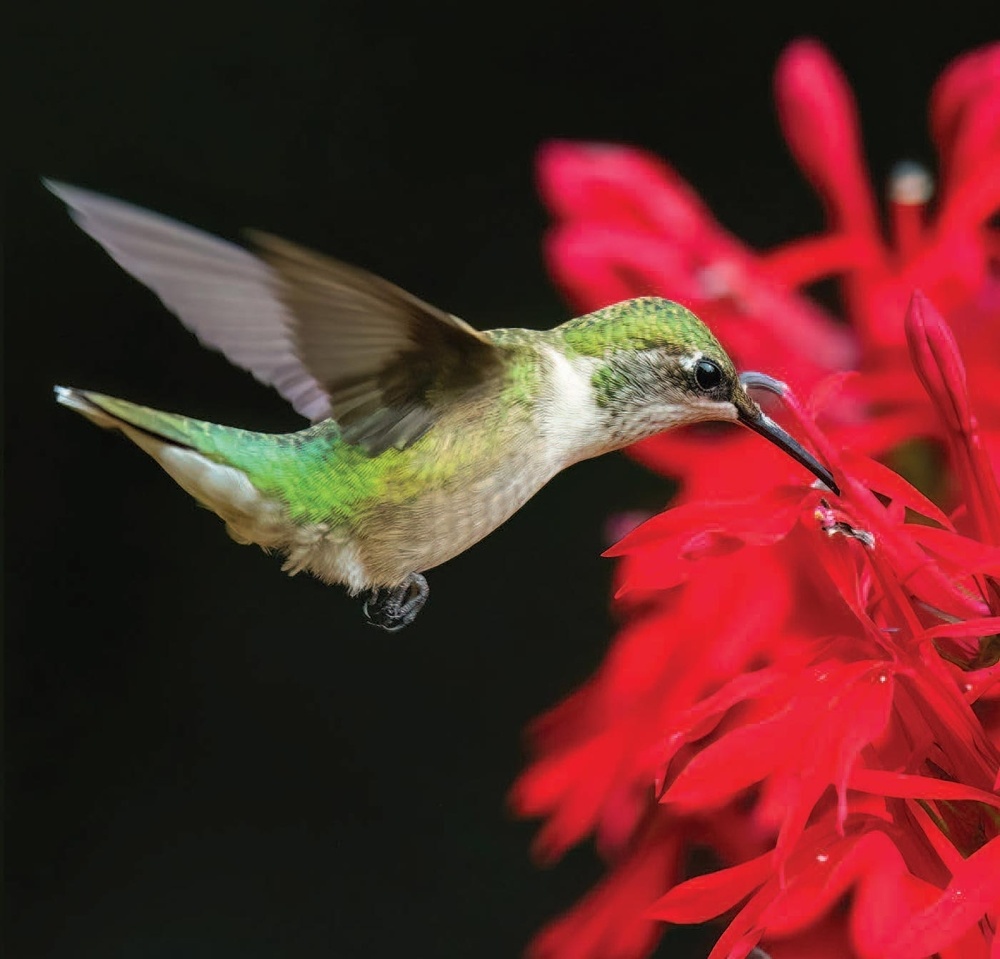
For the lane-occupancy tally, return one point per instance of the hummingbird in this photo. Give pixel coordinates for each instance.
(425, 434)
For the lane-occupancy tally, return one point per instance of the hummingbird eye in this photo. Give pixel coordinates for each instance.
(708, 375)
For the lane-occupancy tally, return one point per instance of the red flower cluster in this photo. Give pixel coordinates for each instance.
(825, 746)
(808, 687)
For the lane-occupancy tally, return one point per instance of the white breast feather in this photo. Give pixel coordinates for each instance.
(572, 421)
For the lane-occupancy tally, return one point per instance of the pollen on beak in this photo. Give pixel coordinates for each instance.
(753, 417)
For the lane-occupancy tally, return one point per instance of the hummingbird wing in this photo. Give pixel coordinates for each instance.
(221, 292)
(334, 340)
(389, 362)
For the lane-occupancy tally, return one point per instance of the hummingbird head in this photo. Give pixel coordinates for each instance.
(657, 366)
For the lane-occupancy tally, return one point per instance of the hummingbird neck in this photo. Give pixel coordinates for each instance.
(574, 424)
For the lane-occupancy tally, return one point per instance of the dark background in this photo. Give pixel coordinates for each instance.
(206, 758)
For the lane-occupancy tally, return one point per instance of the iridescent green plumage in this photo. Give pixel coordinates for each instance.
(645, 323)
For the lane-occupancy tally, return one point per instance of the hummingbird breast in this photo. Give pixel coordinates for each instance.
(420, 532)
(478, 467)
(455, 488)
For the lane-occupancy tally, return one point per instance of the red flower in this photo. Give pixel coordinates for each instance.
(810, 688)
(628, 225)
(824, 737)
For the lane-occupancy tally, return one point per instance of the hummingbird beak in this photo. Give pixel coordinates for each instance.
(751, 415)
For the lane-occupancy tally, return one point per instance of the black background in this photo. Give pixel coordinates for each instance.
(206, 758)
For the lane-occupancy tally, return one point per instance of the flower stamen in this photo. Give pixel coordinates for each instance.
(911, 187)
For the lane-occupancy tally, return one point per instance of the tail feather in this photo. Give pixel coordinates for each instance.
(78, 400)
(113, 413)
(183, 448)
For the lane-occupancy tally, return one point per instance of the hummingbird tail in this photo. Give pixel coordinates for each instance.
(184, 448)
(77, 400)
(112, 413)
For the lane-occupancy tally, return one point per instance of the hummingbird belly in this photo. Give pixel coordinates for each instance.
(421, 532)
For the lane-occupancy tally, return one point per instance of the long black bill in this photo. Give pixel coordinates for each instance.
(761, 423)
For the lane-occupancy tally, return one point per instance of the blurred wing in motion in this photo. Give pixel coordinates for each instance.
(334, 340)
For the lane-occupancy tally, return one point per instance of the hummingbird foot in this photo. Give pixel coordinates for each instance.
(393, 607)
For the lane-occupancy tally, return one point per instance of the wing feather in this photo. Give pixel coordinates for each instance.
(221, 292)
(389, 361)
(334, 340)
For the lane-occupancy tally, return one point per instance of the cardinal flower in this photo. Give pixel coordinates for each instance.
(626, 224)
(805, 686)
(826, 740)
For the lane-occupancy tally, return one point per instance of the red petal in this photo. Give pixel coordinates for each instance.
(855, 715)
(710, 895)
(974, 889)
(815, 884)
(740, 689)
(961, 80)
(913, 570)
(840, 561)
(881, 435)
(961, 85)
(975, 148)
(819, 120)
(611, 921)
(830, 391)
(616, 184)
(865, 713)
(905, 786)
(804, 261)
(758, 521)
(965, 554)
(970, 945)
(743, 933)
(827, 939)
(571, 788)
(740, 758)
(885, 899)
(878, 477)
(599, 264)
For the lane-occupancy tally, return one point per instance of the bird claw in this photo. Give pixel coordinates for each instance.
(393, 607)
